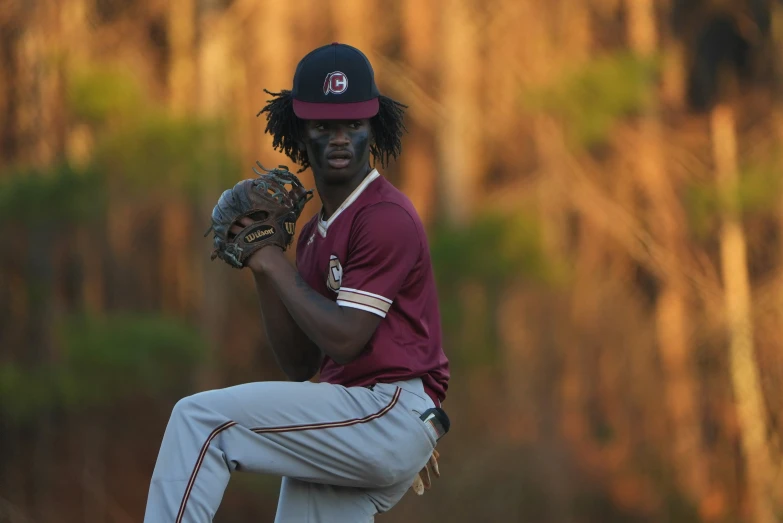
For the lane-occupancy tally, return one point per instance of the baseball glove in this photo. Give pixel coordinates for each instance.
(269, 202)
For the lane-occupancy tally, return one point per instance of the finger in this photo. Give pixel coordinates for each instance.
(235, 228)
(425, 478)
(434, 465)
(418, 486)
(240, 224)
(435, 453)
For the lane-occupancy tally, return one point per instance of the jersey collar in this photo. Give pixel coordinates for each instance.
(323, 225)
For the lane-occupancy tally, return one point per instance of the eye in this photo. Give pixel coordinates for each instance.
(355, 125)
(319, 126)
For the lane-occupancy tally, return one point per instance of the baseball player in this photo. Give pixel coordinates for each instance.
(360, 307)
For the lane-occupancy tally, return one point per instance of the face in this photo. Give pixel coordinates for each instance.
(338, 150)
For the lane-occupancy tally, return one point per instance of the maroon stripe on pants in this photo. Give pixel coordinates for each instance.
(200, 460)
(332, 424)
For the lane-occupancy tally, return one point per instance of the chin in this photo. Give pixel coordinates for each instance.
(339, 176)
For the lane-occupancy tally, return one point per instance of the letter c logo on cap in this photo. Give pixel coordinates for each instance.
(336, 83)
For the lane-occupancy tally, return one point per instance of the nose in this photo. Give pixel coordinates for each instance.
(339, 137)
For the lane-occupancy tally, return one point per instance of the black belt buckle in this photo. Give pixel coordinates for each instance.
(438, 419)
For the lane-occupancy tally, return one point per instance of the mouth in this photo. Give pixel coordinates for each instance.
(339, 159)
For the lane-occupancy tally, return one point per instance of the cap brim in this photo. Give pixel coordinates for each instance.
(346, 111)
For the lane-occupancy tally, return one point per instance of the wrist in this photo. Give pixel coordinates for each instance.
(261, 261)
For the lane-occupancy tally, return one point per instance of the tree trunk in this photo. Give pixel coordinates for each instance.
(215, 61)
(93, 472)
(175, 217)
(459, 142)
(42, 354)
(744, 372)
(560, 36)
(279, 58)
(92, 280)
(175, 257)
(777, 115)
(182, 68)
(276, 54)
(119, 284)
(9, 91)
(352, 19)
(418, 164)
(666, 219)
(575, 36)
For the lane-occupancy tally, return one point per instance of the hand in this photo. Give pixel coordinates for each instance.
(422, 481)
(256, 260)
(236, 229)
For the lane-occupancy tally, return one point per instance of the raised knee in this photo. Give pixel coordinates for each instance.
(189, 405)
(185, 407)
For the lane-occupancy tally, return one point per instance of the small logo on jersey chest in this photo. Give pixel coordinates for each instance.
(334, 275)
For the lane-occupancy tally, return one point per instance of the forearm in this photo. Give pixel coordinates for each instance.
(296, 354)
(335, 330)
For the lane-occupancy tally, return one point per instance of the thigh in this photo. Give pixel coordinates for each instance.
(320, 433)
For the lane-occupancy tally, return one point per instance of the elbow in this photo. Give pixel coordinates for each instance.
(300, 376)
(303, 373)
(344, 353)
(305, 368)
(348, 340)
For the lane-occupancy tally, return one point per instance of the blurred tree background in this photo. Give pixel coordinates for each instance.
(601, 180)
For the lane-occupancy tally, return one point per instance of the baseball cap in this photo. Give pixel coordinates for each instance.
(335, 82)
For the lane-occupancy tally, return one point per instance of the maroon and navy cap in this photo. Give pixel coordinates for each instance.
(335, 82)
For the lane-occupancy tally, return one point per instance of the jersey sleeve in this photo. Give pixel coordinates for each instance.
(383, 249)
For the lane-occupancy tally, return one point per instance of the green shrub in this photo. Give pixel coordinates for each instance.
(492, 252)
(105, 360)
(57, 195)
(591, 98)
(96, 94)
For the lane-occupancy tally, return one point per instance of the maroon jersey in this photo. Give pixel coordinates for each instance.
(372, 254)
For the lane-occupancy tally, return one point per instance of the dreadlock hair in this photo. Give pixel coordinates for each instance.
(286, 128)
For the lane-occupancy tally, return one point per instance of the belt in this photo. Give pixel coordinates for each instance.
(427, 390)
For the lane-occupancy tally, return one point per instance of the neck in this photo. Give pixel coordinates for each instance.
(333, 195)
